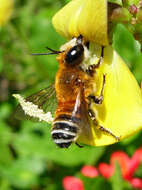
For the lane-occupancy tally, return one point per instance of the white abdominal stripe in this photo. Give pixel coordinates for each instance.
(73, 126)
(62, 141)
(64, 132)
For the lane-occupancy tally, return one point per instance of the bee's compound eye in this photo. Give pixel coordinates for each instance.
(75, 55)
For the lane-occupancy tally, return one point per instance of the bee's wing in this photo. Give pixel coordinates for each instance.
(45, 101)
(81, 113)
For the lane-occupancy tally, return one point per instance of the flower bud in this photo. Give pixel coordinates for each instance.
(133, 9)
(89, 171)
(72, 183)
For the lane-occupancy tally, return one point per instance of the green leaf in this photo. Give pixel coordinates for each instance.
(137, 68)
(5, 110)
(5, 140)
(4, 184)
(125, 44)
(138, 172)
(23, 172)
(127, 185)
(5, 133)
(119, 2)
(1, 60)
(116, 179)
(95, 183)
(128, 48)
(131, 2)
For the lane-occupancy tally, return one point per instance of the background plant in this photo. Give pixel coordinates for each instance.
(28, 157)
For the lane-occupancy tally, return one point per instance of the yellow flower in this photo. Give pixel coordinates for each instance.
(5, 10)
(86, 17)
(121, 110)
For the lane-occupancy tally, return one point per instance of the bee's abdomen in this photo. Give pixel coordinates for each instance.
(64, 131)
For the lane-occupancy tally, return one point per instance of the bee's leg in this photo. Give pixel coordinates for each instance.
(92, 115)
(98, 100)
(80, 146)
(91, 69)
(100, 60)
(109, 132)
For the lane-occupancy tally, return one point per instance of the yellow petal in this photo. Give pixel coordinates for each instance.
(86, 17)
(121, 110)
(5, 10)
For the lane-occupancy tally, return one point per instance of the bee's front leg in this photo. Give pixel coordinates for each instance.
(91, 69)
(98, 100)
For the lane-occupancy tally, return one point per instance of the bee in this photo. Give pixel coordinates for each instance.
(73, 88)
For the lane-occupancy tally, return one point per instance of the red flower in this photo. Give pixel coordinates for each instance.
(72, 183)
(128, 167)
(106, 170)
(89, 171)
(136, 183)
(134, 163)
(137, 157)
(124, 162)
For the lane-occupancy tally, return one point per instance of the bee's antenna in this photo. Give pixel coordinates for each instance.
(53, 52)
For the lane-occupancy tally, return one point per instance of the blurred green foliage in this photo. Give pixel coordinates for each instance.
(28, 157)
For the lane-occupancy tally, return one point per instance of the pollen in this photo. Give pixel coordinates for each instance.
(33, 110)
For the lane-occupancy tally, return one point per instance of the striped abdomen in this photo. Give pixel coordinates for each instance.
(64, 131)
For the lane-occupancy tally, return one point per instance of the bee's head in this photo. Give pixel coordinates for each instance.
(74, 56)
(73, 52)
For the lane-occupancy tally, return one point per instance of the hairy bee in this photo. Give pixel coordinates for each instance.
(73, 87)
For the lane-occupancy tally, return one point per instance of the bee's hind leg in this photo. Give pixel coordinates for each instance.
(109, 132)
(93, 118)
(80, 146)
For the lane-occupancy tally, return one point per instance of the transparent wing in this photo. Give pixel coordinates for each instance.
(45, 99)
